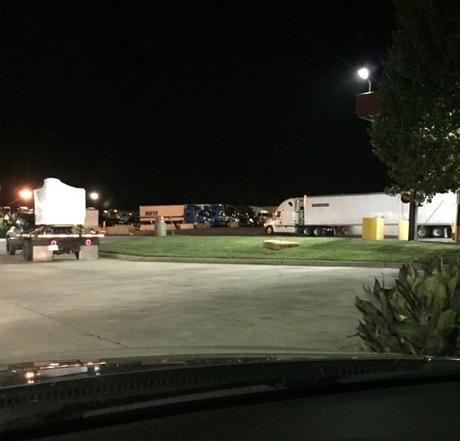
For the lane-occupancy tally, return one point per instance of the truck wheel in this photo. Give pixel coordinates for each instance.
(10, 248)
(269, 230)
(338, 231)
(317, 232)
(27, 251)
(307, 231)
(437, 232)
(423, 232)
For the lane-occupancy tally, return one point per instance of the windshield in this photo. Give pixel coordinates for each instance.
(206, 182)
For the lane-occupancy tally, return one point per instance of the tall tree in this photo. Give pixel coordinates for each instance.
(417, 132)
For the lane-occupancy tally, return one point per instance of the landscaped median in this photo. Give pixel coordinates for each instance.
(310, 249)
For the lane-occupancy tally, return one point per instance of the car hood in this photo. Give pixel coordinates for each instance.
(54, 370)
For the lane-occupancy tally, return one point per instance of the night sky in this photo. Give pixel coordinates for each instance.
(236, 102)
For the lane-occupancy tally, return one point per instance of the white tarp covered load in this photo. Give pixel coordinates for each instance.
(59, 204)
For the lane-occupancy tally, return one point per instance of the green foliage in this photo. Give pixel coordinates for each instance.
(417, 133)
(4, 226)
(420, 314)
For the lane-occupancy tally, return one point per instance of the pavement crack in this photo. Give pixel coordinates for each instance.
(68, 325)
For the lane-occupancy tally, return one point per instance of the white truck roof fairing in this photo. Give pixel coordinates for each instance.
(59, 204)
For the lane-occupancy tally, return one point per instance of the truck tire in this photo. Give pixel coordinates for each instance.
(423, 232)
(437, 232)
(307, 231)
(318, 231)
(269, 230)
(10, 248)
(27, 251)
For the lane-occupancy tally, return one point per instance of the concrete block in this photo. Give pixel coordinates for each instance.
(202, 225)
(89, 252)
(119, 229)
(186, 226)
(147, 227)
(279, 244)
(41, 253)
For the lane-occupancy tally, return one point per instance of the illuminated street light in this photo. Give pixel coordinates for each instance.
(94, 196)
(25, 194)
(364, 74)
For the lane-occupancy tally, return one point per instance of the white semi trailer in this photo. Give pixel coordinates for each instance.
(343, 214)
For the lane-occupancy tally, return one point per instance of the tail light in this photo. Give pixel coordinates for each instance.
(88, 242)
(53, 242)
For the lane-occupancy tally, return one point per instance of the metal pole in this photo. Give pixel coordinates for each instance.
(457, 225)
(413, 218)
(305, 209)
(370, 85)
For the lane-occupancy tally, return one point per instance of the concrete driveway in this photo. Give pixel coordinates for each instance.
(68, 308)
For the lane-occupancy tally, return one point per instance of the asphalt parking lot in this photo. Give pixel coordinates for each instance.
(68, 308)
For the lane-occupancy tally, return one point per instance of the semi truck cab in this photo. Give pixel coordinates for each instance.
(286, 218)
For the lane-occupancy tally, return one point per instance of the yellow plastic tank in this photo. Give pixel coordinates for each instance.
(373, 228)
(403, 230)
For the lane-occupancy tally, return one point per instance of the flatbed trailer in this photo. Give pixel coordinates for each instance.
(44, 242)
(56, 225)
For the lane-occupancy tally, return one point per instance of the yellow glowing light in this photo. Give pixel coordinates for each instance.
(26, 194)
(29, 375)
(94, 196)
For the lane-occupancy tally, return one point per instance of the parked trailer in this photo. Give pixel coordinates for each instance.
(171, 214)
(343, 214)
(149, 214)
(203, 214)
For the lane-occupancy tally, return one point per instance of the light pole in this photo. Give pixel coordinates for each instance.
(364, 74)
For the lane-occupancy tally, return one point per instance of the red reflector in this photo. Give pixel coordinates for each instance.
(88, 242)
(53, 242)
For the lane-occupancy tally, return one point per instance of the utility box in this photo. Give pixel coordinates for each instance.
(373, 228)
(160, 228)
(403, 230)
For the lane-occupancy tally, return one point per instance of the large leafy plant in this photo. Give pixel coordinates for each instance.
(420, 314)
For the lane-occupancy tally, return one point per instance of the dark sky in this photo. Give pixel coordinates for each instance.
(247, 102)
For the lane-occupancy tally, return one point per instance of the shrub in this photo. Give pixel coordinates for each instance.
(3, 228)
(420, 314)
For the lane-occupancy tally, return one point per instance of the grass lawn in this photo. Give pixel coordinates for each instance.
(310, 248)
